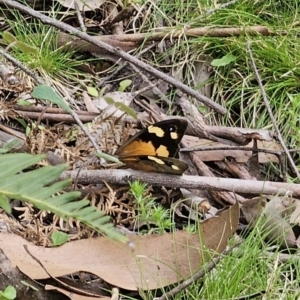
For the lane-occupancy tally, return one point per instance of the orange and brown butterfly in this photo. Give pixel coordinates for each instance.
(155, 148)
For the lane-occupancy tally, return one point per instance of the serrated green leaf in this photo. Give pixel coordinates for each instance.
(59, 238)
(45, 92)
(92, 91)
(224, 61)
(37, 187)
(13, 163)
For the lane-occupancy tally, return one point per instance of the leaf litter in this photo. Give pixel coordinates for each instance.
(158, 260)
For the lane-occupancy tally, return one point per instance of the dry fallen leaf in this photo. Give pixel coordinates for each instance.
(82, 5)
(239, 155)
(276, 218)
(157, 261)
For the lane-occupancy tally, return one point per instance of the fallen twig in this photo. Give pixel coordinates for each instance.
(116, 176)
(167, 33)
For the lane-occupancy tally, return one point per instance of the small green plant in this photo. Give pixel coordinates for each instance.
(59, 238)
(9, 293)
(36, 45)
(149, 213)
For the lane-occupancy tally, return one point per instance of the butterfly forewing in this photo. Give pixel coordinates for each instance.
(161, 139)
(150, 148)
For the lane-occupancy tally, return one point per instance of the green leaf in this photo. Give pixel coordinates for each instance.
(39, 187)
(4, 203)
(23, 102)
(92, 91)
(29, 285)
(101, 93)
(9, 293)
(124, 84)
(8, 146)
(45, 92)
(25, 48)
(108, 157)
(22, 122)
(123, 107)
(8, 37)
(109, 100)
(59, 238)
(126, 109)
(224, 61)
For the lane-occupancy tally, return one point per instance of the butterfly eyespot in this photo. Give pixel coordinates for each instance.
(172, 128)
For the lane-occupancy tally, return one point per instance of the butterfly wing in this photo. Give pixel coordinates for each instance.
(159, 139)
(153, 149)
(168, 165)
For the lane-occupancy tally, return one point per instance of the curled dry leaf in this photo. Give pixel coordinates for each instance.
(157, 260)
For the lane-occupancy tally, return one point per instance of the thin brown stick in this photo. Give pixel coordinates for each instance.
(21, 66)
(65, 27)
(116, 176)
(54, 117)
(267, 104)
(275, 152)
(190, 32)
(52, 110)
(186, 283)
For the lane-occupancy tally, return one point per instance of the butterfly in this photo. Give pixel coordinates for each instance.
(155, 148)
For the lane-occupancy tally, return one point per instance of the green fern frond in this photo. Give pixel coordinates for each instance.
(38, 187)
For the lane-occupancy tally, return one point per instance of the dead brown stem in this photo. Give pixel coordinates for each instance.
(185, 181)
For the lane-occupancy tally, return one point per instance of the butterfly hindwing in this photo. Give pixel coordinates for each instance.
(154, 148)
(158, 164)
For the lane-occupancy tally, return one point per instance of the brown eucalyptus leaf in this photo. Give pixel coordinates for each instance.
(157, 261)
(275, 213)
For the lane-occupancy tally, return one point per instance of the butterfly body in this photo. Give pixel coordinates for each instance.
(155, 148)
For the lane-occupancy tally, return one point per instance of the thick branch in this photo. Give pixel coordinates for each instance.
(115, 176)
